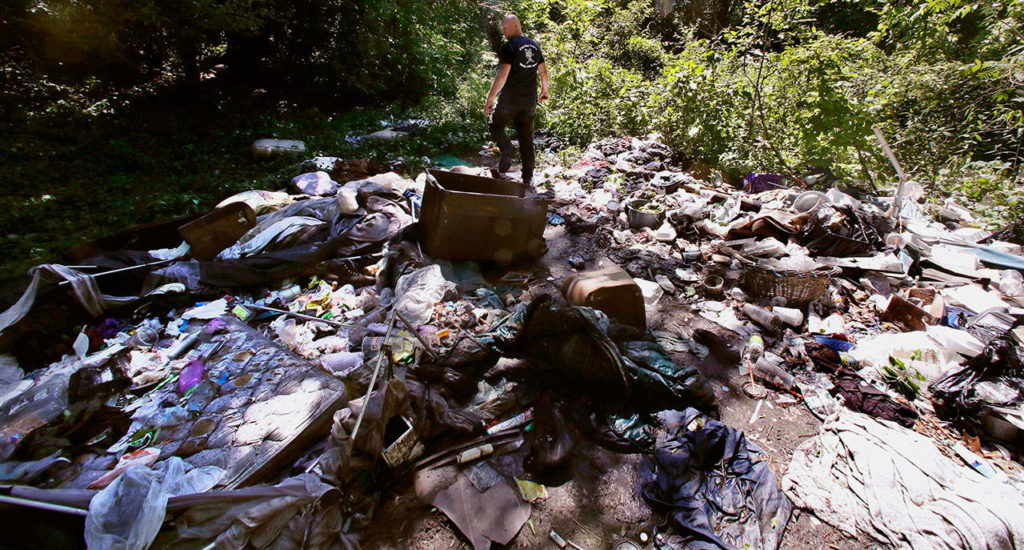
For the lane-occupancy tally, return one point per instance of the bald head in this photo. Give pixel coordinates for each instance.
(511, 26)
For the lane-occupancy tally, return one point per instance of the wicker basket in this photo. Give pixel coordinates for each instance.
(797, 287)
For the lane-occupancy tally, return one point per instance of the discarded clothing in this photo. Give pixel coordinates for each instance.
(662, 382)
(875, 479)
(860, 395)
(717, 492)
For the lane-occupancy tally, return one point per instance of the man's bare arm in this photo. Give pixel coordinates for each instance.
(543, 70)
(499, 83)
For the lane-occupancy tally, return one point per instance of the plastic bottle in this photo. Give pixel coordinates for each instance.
(762, 316)
(768, 369)
(755, 347)
(182, 345)
(790, 316)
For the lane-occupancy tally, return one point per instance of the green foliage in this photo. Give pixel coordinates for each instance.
(366, 50)
(903, 378)
(770, 90)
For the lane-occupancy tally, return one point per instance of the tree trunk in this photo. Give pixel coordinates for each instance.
(188, 52)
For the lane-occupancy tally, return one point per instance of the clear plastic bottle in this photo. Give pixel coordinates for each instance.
(769, 369)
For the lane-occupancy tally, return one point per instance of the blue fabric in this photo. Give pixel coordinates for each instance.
(715, 487)
(756, 182)
(991, 256)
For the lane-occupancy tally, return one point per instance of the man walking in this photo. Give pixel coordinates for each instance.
(519, 61)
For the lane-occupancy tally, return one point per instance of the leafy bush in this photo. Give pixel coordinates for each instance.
(770, 91)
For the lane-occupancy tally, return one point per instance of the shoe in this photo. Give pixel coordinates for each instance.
(504, 164)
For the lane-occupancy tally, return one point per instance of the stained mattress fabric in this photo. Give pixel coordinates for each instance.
(872, 478)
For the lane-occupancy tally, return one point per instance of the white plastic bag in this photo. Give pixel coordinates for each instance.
(1011, 283)
(915, 349)
(960, 341)
(418, 292)
(127, 515)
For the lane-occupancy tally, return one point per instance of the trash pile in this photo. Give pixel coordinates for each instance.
(267, 374)
(892, 307)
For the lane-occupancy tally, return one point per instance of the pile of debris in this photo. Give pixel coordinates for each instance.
(304, 353)
(893, 307)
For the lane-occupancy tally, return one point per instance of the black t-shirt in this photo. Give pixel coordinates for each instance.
(523, 55)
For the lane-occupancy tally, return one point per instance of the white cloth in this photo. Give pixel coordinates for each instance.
(874, 478)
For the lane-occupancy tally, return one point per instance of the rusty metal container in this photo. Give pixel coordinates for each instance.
(610, 290)
(218, 230)
(475, 218)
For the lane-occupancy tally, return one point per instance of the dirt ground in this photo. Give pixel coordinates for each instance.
(601, 501)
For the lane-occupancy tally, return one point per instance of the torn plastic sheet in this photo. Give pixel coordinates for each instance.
(83, 286)
(300, 512)
(127, 515)
(418, 292)
(991, 256)
(277, 232)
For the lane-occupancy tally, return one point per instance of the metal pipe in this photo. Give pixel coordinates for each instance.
(123, 269)
(408, 325)
(300, 315)
(43, 505)
(897, 201)
(373, 379)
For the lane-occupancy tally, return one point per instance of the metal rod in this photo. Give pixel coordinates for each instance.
(889, 153)
(897, 202)
(300, 315)
(123, 269)
(29, 503)
(426, 346)
(373, 379)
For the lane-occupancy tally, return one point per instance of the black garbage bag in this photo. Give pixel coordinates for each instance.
(716, 490)
(571, 347)
(842, 230)
(994, 378)
(551, 441)
(569, 344)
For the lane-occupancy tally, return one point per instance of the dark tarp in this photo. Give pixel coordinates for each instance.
(572, 344)
(714, 486)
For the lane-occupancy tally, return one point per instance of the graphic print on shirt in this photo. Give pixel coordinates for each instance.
(529, 53)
